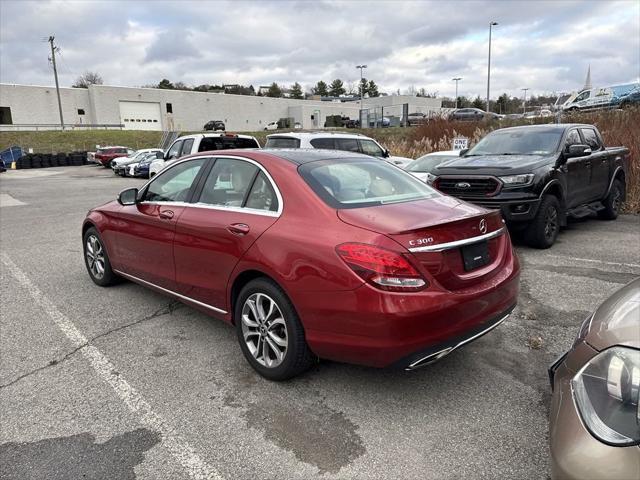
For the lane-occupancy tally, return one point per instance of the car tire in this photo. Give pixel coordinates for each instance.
(544, 228)
(613, 201)
(96, 259)
(255, 330)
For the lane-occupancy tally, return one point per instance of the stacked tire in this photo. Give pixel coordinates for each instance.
(45, 160)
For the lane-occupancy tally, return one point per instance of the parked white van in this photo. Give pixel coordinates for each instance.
(599, 97)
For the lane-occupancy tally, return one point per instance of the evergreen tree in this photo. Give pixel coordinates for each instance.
(274, 90)
(364, 87)
(166, 84)
(320, 89)
(479, 103)
(337, 88)
(296, 91)
(373, 89)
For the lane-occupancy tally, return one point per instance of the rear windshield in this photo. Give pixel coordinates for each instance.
(112, 150)
(348, 183)
(226, 143)
(518, 142)
(282, 142)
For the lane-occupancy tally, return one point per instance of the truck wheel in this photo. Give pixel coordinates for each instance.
(613, 202)
(544, 228)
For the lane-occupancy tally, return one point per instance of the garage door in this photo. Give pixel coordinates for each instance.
(140, 116)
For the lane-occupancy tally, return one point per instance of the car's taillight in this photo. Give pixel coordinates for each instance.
(382, 268)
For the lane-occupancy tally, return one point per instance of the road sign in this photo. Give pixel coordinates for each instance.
(460, 143)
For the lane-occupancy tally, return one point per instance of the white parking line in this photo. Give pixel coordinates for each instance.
(7, 200)
(590, 260)
(177, 446)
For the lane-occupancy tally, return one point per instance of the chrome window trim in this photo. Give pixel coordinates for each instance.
(458, 243)
(171, 292)
(253, 211)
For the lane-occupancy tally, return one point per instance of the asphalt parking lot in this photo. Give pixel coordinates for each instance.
(124, 383)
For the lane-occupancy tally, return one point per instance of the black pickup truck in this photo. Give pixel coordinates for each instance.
(538, 176)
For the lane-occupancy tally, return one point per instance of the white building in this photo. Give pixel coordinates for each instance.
(25, 107)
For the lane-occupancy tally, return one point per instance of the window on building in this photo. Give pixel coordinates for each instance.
(81, 111)
(169, 108)
(5, 116)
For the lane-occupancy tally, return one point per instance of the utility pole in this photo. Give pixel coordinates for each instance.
(524, 105)
(457, 79)
(55, 74)
(491, 24)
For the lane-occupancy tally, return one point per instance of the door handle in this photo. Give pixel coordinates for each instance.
(166, 214)
(238, 228)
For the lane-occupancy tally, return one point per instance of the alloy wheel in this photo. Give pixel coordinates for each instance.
(616, 201)
(95, 256)
(264, 330)
(550, 223)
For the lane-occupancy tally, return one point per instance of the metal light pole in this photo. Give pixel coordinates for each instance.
(524, 105)
(457, 79)
(361, 67)
(491, 24)
(55, 74)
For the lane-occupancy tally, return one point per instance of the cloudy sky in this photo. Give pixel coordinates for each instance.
(543, 45)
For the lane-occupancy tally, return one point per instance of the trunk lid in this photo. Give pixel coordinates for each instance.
(430, 228)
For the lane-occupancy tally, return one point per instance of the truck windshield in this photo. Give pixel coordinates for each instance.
(518, 142)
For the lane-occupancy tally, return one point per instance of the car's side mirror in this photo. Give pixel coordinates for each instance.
(463, 151)
(128, 196)
(385, 153)
(159, 155)
(577, 151)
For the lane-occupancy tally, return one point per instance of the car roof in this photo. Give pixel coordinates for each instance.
(547, 126)
(219, 134)
(446, 153)
(303, 135)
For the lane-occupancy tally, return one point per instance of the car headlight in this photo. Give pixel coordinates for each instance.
(606, 391)
(517, 180)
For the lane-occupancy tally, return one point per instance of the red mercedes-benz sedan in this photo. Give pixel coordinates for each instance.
(312, 253)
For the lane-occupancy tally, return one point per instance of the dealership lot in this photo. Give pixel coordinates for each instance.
(161, 390)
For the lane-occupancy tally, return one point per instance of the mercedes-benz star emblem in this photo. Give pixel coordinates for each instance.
(483, 226)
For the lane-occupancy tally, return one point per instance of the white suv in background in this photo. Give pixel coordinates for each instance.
(202, 142)
(350, 142)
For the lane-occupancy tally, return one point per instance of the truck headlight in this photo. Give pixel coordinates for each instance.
(607, 393)
(517, 180)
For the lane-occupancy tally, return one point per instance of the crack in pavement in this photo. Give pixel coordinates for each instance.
(165, 310)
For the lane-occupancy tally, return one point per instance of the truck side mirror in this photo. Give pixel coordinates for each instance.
(577, 151)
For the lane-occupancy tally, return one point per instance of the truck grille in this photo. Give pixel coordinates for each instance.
(467, 187)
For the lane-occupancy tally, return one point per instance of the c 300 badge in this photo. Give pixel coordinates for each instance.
(421, 241)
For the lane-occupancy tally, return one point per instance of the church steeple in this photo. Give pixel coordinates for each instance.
(587, 81)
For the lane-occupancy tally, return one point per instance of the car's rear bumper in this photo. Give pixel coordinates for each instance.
(575, 453)
(371, 327)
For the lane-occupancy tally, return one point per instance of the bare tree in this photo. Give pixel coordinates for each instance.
(86, 79)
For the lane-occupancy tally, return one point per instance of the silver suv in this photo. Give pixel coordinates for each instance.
(350, 142)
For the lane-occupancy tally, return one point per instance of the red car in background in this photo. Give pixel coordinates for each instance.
(104, 155)
(312, 254)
